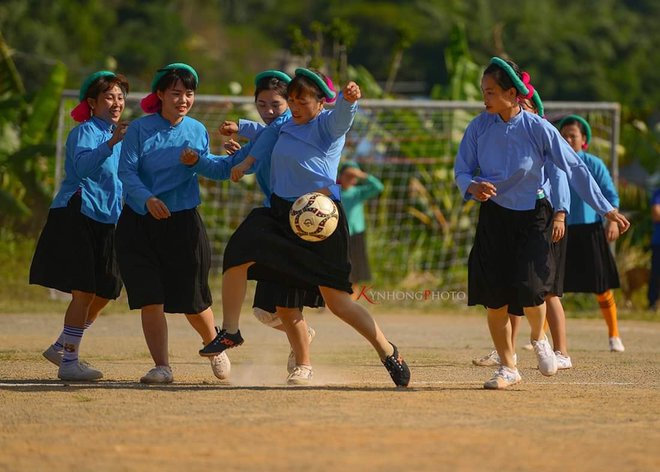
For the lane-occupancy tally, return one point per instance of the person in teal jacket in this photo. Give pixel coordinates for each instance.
(590, 265)
(356, 187)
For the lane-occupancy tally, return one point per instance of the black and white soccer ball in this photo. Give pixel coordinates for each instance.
(313, 217)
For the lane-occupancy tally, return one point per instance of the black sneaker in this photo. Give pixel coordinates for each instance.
(397, 368)
(222, 341)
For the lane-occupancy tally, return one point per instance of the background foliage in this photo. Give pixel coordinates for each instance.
(592, 50)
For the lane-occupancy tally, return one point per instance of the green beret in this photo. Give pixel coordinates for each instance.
(90, 80)
(177, 65)
(272, 73)
(318, 80)
(582, 121)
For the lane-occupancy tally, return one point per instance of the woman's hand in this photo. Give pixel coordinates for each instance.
(238, 171)
(189, 157)
(157, 208)
(482, 191)
(612, 232)
(228, 128)
(352, 92)
(231, 146)
(119, 133)
(621, 221)
(558, 228)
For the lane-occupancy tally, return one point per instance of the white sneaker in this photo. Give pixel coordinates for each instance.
(616, 345)
(221, 365)
(503, 378)
(563, 362)
(528, 347)
(492, 359)
(160, 374)
(77, 371)
(55, 356)
(291, 362)
(301, 375)
(545, 357)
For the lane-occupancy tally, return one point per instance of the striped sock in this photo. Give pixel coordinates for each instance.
(608, 309)
(72, 338)
(59, 344)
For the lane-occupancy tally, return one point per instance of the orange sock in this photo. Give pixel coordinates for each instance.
(608, 309)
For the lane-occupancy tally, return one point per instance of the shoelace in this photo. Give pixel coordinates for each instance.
(393, 363)
(543, 348)
(508, 376)
(492, 355)
(300, 372)
(217, 360)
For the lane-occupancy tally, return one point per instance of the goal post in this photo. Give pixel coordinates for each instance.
(419, 230)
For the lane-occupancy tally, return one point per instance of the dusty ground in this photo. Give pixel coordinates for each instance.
(603, 415)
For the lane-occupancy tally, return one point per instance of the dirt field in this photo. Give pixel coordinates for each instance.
(603, 415)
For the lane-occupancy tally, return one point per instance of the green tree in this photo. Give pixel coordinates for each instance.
(27, 147)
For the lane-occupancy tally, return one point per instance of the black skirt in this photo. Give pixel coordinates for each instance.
(590, 265)
(75, 252)
(510, 262)
(558, 257)
(270, 295)
(266, 239)
(360, 269)
(165, 261)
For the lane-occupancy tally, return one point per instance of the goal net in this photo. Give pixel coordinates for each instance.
(419, 230)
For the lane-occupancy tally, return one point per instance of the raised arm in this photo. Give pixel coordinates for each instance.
(249, 129)
(87, 155)
(340, 118)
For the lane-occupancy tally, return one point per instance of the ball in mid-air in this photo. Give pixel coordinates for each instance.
(313, 217)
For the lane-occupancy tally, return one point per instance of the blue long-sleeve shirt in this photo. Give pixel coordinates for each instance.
(91, 166)
(560, 191)
(260, 147)
(581, 213)
(512, 155)
(305, 157)
(219, 167)
(150, 162)
(251, 129)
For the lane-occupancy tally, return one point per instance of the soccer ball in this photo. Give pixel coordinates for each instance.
(313, 217)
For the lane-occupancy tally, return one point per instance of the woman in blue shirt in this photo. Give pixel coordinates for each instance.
(162, 247)
(75, 252)
(304, 159)
(272, 299)
(501, 163)
(556, 318)
(590, 266)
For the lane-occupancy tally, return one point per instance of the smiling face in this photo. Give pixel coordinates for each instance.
(305, 107)
(108, 105)
(270, 105)
(496, 99)
(177, 101)
(573, 135)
